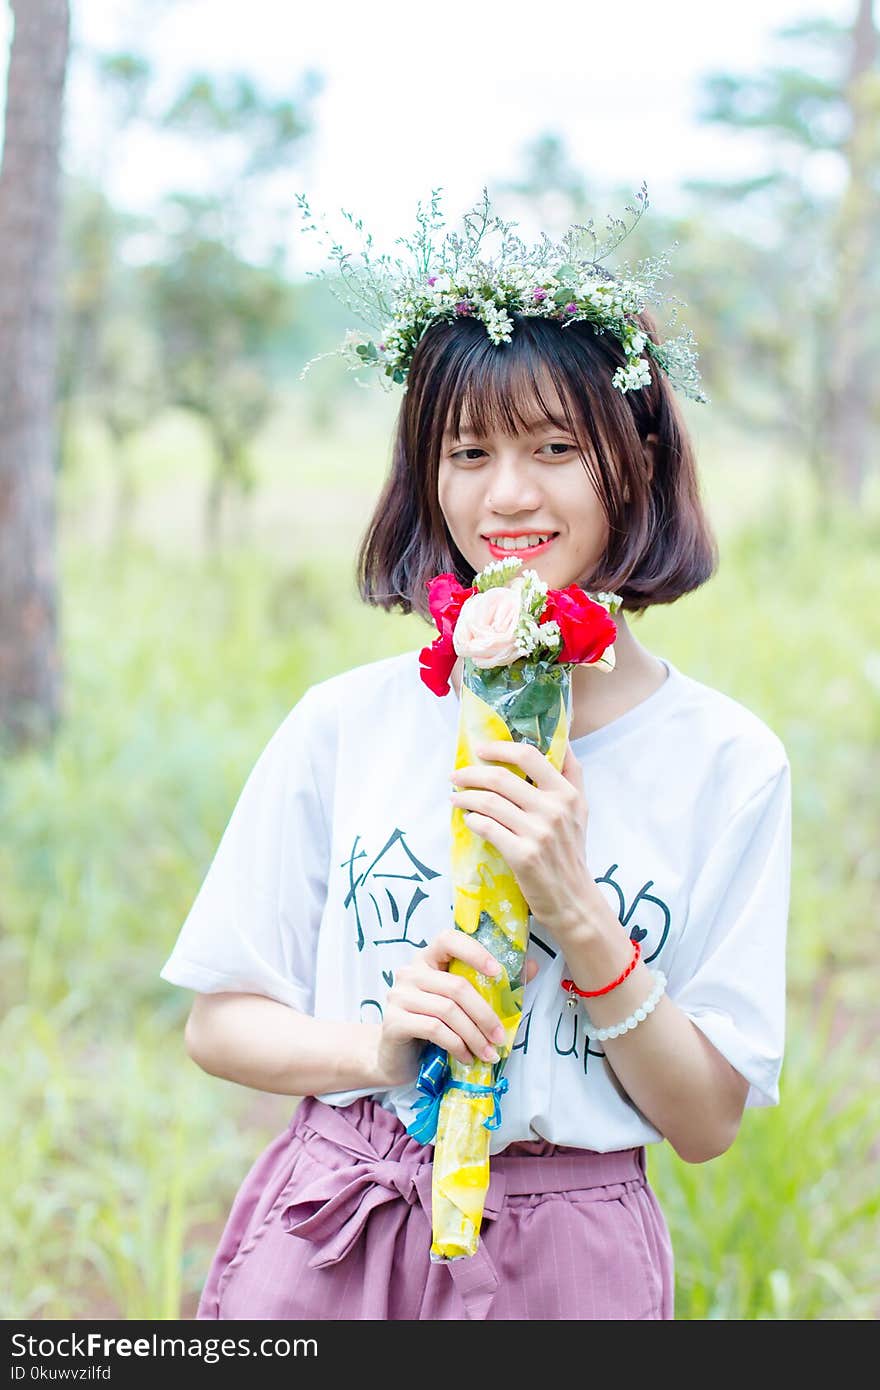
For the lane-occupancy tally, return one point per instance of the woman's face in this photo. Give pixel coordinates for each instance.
(534, 482)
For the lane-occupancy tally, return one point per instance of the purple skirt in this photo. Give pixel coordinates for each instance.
(333, 1221)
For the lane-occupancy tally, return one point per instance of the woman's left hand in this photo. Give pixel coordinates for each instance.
(540, 830)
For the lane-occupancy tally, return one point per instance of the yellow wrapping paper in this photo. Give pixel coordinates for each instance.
(528, 701)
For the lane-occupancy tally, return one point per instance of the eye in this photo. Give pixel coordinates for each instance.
(474, 450)
(565, 448)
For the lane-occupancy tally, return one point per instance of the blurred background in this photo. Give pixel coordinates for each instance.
(179, 514)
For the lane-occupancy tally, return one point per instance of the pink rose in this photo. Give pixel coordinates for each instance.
(486, 627)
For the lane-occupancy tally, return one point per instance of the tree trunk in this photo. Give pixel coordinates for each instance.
(126, 490)
(30, 674)
(849, 424)
(816, 405)
(214, 500)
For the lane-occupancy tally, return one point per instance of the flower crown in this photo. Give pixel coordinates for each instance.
(456, 278)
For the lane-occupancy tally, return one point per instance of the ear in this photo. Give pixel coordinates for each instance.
(649, 447)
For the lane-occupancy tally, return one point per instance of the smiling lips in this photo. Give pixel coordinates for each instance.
(499, 552)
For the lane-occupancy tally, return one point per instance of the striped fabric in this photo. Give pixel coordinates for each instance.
(333, 1222)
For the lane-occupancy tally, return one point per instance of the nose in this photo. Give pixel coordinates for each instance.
(513, 488)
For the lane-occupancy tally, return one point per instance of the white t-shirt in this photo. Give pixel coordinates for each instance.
(334, 867)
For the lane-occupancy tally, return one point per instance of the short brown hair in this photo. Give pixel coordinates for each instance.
(660, 542)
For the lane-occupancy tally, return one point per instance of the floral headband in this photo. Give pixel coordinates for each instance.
(456, 278)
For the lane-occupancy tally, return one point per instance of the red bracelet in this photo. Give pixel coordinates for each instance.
(594, 993)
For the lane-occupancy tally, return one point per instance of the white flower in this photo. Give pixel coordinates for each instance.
(590, 291)
(497, 572)
(526, 634)
(498, 325)
(636, 374)
(631, 297)
(533, 576)
(551, 634)
(517, 277)
(534, 591)
(607, 599)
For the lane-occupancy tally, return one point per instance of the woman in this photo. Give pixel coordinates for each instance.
(320, 940)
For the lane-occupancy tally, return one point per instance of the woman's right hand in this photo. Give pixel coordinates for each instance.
(427, 1004)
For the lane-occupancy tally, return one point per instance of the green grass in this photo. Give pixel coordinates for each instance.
(122, 1158)
(784, 1225)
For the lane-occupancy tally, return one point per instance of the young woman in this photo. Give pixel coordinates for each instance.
(319, 943)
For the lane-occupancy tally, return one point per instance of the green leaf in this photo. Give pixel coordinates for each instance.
(547, 724)
(562, 296)
(532, 701)
(527, 729)
(490, 683)
(566, 272)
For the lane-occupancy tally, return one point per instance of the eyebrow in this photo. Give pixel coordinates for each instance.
(531, 425)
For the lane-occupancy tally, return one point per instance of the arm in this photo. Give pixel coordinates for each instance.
(674, 1065)
(259, 1042)
(666, 1065)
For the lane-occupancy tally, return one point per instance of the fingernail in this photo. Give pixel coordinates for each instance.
(493, 968)
(499, 1034)
(490, 1055)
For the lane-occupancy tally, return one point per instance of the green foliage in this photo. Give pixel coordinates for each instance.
(784, 1225)
(112, 1165)
(232, 112)
(790, 627)
(120, 1158)
(107, 351)
(196, 324)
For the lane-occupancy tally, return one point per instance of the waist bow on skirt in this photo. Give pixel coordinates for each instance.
(333, 1221)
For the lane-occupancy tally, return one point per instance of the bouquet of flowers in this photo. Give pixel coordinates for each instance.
(519, 641)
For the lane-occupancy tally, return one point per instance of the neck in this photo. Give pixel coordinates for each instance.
(630, 662)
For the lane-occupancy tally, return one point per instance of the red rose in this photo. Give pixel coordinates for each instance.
(445, 598)
(587, 627)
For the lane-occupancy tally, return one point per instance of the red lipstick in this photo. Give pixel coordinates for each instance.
(499, 552)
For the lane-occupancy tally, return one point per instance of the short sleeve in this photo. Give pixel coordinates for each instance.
(728, 973)
(253, 927)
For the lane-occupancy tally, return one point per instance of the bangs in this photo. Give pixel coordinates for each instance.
(504, 386)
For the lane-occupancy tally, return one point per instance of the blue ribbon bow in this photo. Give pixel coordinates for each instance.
(434, 1081)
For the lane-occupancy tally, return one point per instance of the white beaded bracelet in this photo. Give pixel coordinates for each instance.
(650, 1004)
